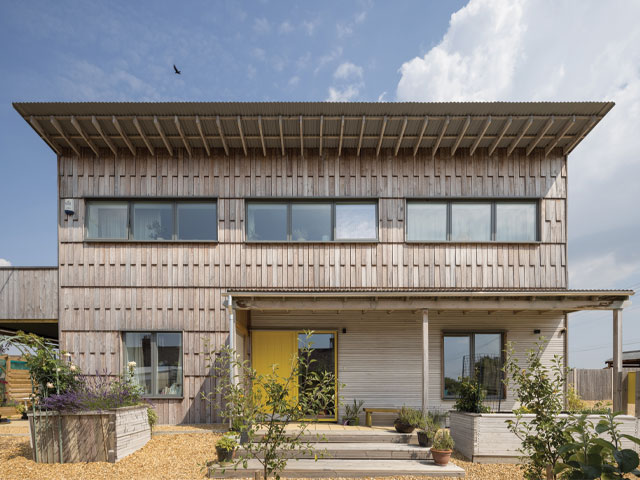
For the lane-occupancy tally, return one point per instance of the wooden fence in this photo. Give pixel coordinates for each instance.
(592, 384)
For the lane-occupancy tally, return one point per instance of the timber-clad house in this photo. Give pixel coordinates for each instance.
(413, 238)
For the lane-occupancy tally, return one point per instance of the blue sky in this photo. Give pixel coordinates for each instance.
(340, 50)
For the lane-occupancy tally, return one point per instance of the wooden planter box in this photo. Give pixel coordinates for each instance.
(96, 436)
(485, 438)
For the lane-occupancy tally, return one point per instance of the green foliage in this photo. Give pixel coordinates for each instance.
(152, 417)
(574, 403)
(268, 402)
(227, 443)
(443, 440)
(539, 389)
(431, 425)
(598, 408)
(412, 417)
(352, 412)
(471, 397)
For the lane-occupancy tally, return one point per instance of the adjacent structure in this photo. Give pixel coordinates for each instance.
(415, 239)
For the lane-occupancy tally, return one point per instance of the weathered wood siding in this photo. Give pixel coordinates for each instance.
(28, 293)
(106, 288)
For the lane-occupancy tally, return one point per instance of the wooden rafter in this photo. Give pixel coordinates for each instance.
(33, 121)
(341, 136)
(98, 127)
(478, 139)
(462, 133)
(165, 140)
(185, 141)
(399, 141)
(496, 142)
(281, 134)
(264, 148)
(244, 143)
(321, 128)
(569, 123)
(123, 135)
(221, 133)
(540, 134)
(588, 126)
(145, 139)
(84, 136)
(202, 137)
(516, 141)
(425, 122)
(384, 126)
(364, 119)
(62, 133)
(301, 139)
(445, 124)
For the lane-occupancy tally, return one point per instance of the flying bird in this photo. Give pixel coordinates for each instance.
(178, 72)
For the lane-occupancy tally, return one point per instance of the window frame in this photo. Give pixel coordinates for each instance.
(537, 201)
(471, 334)
(333, 202)
(130, 201)
(154, 360)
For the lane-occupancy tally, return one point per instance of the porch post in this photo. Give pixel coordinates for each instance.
(425, 360)
(617, 360)
(231, 312)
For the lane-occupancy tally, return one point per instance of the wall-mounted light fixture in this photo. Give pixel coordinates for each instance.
(536, 331)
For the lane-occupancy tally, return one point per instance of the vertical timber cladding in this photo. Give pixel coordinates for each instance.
(107, 288)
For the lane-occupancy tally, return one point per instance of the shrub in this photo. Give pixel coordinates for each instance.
(227, 443)
(411, 416)
(471, 397)
(152, 417)
(352, 412)
(443, 440)
(574, 403)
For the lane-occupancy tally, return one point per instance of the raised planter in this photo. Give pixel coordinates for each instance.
(96, 436)
(485, 438)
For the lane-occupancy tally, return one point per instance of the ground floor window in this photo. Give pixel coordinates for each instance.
(158, 361)
(473, 354)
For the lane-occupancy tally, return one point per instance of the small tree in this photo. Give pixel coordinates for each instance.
(260, 406)
(539, 389)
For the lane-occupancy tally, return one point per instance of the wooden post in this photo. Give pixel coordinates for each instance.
(425, 360)
(617, 360)
(637, 413)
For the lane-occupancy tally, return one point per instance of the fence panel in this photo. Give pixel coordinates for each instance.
(592, 384)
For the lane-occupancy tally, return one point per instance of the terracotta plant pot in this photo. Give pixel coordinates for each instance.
(423, 438)
(441, 457)
(403, 427)
(225, 455)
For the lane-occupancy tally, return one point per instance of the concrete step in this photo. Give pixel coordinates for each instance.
(346, 468)
(366, 435)
(361, 451)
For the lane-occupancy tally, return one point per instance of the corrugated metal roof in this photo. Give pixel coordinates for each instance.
(386, 128)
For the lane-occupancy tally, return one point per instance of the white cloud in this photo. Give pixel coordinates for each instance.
(349, 82)
(345, 94)
(328, 58)
(261, 25)
(605, 271)
(293, 81)
(309, 26)
(344, 29)
(347, 71)
(285, 27)
(259, 53)
(4, 262)
(381, 96)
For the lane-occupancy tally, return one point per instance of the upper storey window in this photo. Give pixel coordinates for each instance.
(311, 221)
(151, 221)
(472, 221)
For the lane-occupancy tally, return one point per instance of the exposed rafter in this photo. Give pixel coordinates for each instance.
(559, 136)
(515, 143)
(34, 122)
(341, 135)
(264, 148)
(58, 127)
(462, 133)
(540, 134)
(425, 122)
(146, 141)
(364, 119)
(384, 126)
(98, 127)
(496, 142)
(478, 139)
(244, 143)
(202, 137)
(84, 136)
(588, 126)
(185, 141)
(321, 131)
(281, 134)
(443, 129)
(301, 138)
(165, 140)
(221, 133)
(123, 135)
(399, 141)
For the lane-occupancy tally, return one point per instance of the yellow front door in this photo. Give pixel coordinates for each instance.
(279, 348)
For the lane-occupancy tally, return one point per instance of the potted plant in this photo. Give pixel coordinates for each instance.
(426, 433)
(408, 420)
(352, 412)
(226, 448)
(442, 447)
(21, 408)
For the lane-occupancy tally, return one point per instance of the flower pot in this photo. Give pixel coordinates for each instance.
(225, 455)
(403, 427)
(441, 457)
(423, 438)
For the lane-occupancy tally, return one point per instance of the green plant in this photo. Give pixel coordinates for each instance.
(574, 403)
(411, 417)
(152, 417)
(539, 389)
(443, 440)
(352, 412)
(21, 408)
(227, 443)
(471, 397)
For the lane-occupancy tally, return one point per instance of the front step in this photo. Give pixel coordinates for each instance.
(362, 451)
(347, 468)
(369, 435)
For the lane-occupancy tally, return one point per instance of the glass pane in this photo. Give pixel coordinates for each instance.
(138, 350)
(471, 222)
(152, 221)
(169, 363)
(197, 221)
(456, 351)
(311, 222)
(322, 359)
(426, 221)
(516, 222)
(107, 220)
(488, 362)
(267, 221)
(356, 221)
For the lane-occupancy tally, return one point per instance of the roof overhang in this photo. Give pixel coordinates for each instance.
(460, 300)
(127, 129)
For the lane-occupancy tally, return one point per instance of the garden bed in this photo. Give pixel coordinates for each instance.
(93, 436)
(485, 438)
